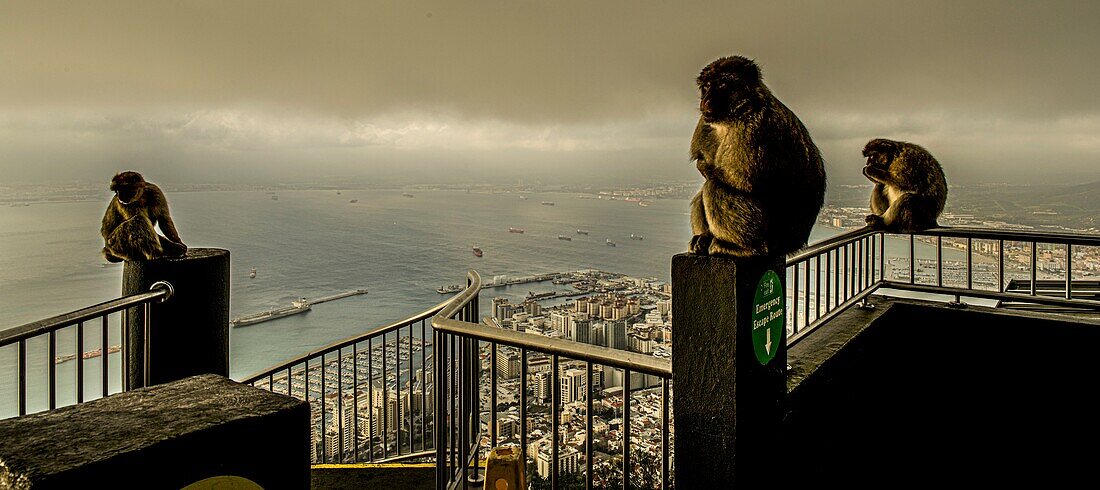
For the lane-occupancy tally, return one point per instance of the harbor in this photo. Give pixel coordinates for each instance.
(297, 307)
(503, 281)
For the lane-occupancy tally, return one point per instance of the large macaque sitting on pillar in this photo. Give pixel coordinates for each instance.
(765, 177)
(128, 229)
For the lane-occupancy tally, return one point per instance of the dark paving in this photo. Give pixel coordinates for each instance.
(374, 477)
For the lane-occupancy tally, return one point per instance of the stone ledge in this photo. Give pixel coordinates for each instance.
(168, 435)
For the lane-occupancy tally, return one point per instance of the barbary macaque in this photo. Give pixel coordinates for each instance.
(765, 177)
(128, 228)
(910, 188)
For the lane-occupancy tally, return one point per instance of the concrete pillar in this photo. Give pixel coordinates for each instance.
(729, 392)
(189, 334)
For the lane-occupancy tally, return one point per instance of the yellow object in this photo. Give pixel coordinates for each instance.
(226, 482)
(504, 470)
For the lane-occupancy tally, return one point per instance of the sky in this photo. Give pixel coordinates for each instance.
(538, 91)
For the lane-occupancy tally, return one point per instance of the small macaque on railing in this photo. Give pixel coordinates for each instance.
(910, 189)
(129, 225)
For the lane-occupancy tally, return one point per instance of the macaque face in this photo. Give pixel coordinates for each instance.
(876, 159)
(128, 186)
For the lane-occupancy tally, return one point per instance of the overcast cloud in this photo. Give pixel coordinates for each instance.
(263, 91)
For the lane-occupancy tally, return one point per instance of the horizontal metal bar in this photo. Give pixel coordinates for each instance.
(393, 459)
(829, 245)
(340, 344)
(15, 334)
(980, 293)
(833, 313)
(566, 348)
(1014, 235)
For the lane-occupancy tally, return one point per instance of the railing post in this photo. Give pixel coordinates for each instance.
(729, 370)
(189, 333)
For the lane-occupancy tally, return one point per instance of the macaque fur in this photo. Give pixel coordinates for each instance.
(910, 188)
(765, 176)
(128, 227)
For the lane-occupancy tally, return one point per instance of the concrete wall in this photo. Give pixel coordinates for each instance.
(919, 393)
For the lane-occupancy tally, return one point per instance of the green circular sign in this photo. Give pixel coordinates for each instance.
(768, 315)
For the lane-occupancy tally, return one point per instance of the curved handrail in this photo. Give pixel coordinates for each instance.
(158, 292)
(340, 344)
(473, 286)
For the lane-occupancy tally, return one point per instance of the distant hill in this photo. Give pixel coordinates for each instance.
(1073, 206)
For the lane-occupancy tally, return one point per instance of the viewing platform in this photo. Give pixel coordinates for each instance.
(841, 360)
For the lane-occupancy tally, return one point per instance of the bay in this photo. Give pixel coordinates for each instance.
(312, 243)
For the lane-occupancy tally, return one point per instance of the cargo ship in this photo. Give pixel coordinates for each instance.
(566, 238)
(534, 295)
(515, 230)
(296, 307)
(92, 354)
(478, 252)
(450, 289)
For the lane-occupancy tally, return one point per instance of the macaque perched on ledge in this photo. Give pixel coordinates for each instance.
(910, 189)
(128, 229)
(765, 177)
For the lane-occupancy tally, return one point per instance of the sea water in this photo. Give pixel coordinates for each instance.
(313, 243)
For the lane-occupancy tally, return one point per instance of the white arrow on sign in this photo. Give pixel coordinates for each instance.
(768, 343)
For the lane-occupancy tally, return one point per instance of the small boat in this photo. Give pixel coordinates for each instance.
(523, 197)
(515, 230)
(610, 243)
(636, 237)
(353, 201)
(547, 203)
(582, 232)
(406, 194)
(252, 273)
(566, 238)
(275, 198)
(644, 204)
(478, 252)
(337, 193)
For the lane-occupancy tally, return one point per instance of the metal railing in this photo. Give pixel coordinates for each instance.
(369, 394)
(464, 343)
(75, 327)
(827, 278)
(447, 403)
